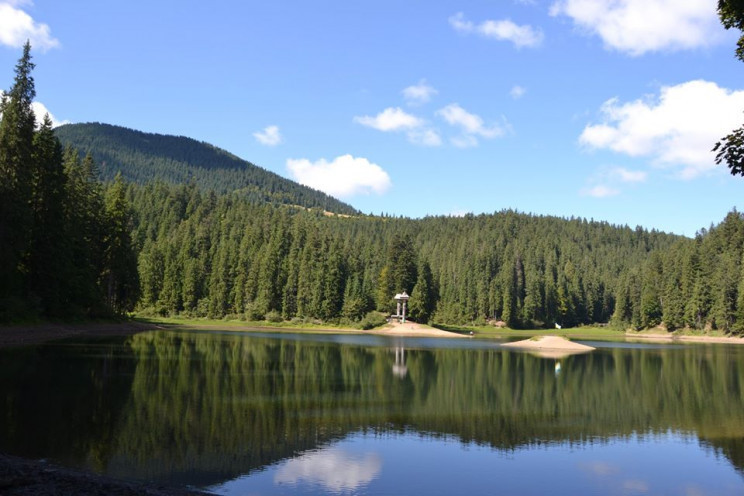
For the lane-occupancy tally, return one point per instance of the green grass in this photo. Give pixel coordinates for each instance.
(227, 324)
(601, 333)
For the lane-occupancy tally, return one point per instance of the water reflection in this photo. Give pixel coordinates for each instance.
(334, 469)
(410, 463)
(200, 408)
(399, 367)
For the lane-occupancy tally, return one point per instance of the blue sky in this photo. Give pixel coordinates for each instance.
(603, 109)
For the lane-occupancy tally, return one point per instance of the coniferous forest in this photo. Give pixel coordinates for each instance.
(218, 241)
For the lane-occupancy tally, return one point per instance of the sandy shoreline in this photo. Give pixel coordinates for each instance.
(412, 329)
(36, 334)
(30, 334)
(409, 329)
(555, 347)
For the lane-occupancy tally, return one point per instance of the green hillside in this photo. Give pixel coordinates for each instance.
(144, 157)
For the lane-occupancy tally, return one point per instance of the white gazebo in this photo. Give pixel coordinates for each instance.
(401, 299)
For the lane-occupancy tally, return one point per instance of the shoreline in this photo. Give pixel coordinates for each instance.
(409, 329)
(31, 334)
(25, 477)
(684, 338)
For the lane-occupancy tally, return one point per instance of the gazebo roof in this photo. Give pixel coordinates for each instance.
(402, 296)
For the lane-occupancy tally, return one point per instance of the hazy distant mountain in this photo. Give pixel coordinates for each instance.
(144, 157)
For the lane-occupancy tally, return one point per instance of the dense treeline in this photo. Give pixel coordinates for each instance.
(144, 157)
(206, 255)
(695, 283)
(71, 246)
(65, 247)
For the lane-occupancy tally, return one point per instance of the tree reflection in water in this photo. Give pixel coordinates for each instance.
(201, 408)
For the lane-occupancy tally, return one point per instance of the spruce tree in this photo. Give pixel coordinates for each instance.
(423, 297)
(49, 253)
(119, 276)
(16, 165)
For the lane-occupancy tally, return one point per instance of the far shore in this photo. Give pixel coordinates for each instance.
(684, 338)
(30, 334)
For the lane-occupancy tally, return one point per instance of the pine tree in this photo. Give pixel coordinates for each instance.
(49, 252)
(16, 159)
(119, 276)
(423, 297)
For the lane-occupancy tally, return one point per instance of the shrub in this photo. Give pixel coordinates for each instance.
(372, 320)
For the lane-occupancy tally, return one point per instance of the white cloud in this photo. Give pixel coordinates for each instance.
(517, 92)
(639, 26)
(270, 136)
(16, 26)
(502, 30)
(419, 93)
(471, 125)
(390, 119)
(424, 137)
(677, 129)
(629, 176)
(344, 176)
(40, 110)
(600, 191)
(395, 119)
(334, 469)
(604, 183)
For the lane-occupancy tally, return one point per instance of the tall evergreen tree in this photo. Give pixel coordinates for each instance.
(16, 164)
(49, 251)
(423, 298)
(119, 276)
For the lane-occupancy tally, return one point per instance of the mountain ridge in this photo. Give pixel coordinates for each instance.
(143, 157)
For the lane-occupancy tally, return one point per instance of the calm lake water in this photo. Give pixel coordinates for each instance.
(259, 413)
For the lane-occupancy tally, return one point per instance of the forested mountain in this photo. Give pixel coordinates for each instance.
(143, 157)
(72, 246)
(207, 255)
(203, 254)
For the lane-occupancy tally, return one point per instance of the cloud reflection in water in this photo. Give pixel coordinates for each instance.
(335, 469)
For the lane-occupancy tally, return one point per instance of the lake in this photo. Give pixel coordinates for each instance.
(264, 413)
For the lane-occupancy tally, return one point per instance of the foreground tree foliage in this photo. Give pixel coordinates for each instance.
(64, 252)
(730, 149)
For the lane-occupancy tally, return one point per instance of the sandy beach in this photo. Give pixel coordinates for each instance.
(550, 343)
(413, 329)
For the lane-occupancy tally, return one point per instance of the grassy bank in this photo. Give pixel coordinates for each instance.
(236, 324)
(602, 333)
